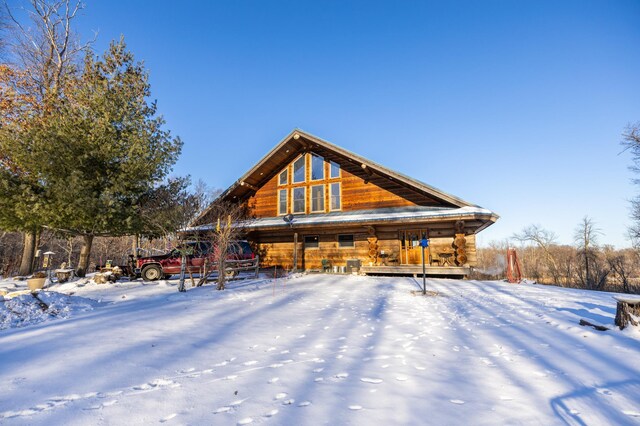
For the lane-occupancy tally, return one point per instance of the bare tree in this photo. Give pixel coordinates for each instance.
(4, 33)
(631, 142)
(10, 243)
(44, 45)
(593, 272)
(228, 225)
(545, 240)
(622, 264)
(204, 195)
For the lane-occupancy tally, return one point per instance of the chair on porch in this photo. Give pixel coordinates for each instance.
(326, 265)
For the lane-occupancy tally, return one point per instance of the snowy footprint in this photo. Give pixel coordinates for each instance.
(237, 402)
(370, 380)
(271, 413)
(167, 418)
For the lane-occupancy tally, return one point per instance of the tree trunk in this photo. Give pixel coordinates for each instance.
(28, 250)
(183, 269)
(586, 265)
(135, 245)
(85, 252)
(221, 272)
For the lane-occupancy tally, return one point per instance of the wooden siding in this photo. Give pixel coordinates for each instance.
(356, 194)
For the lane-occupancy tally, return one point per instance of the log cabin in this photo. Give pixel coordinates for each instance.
(317, 206)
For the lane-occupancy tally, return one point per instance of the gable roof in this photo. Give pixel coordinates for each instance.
(298, 142)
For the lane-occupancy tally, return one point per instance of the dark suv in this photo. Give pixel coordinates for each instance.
(152, 268)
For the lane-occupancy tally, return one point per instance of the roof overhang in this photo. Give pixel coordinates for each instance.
(475, 219)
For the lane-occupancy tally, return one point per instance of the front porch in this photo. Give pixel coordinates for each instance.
(416, 270)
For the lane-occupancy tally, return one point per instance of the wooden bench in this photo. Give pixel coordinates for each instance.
(627, 311)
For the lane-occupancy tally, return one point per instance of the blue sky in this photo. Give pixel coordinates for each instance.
(516, 106)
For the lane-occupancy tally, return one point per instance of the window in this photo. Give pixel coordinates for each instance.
(335, 196)
(284, 177)
(311, 241)
(299, 170)
(282, 201)
(298, 200)
(317, 198)
(317, 167)
(334, 170)
(346, 240)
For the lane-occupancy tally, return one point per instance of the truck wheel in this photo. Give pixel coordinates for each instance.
(151, 273)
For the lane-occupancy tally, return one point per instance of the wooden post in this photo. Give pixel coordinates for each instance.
(257, 260)
(183, 268)
(295, 252)
(424, 275)
(275, 276)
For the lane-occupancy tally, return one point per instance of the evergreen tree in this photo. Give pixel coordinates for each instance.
(91, 162)
(20, 189)
(110, 148)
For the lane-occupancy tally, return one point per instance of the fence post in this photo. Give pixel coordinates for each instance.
(257, 265)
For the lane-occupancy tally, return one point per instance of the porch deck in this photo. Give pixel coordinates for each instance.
(431, 271)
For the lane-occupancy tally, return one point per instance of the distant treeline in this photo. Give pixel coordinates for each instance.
(596, 268)
(67, 250)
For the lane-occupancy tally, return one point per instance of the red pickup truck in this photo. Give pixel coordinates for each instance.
(152, 268)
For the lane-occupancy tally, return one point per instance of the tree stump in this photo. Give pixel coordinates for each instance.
(627, 312)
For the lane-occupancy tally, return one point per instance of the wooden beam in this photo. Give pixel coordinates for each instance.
(367, 169)
(248, 185)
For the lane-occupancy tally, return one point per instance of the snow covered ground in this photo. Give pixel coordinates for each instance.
(320, 349)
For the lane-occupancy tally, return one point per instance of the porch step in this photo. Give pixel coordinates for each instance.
(436, 271)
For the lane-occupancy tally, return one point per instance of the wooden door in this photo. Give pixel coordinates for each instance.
(410, 249)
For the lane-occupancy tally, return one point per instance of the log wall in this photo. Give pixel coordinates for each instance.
(276, 248)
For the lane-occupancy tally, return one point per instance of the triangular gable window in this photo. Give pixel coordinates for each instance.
(283, 178)
(334, 170)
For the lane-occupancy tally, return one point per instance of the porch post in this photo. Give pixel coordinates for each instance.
(424, 275)
(295, 252)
